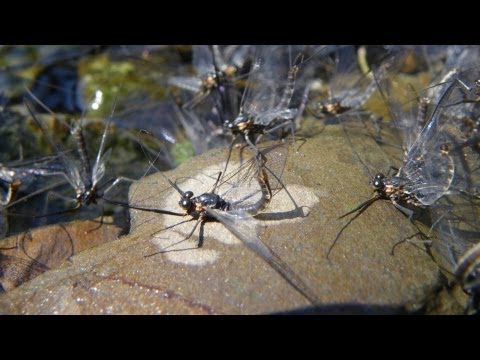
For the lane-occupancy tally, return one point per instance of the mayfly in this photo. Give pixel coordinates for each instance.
(427, 172)
(215, 68)
(267, 103)
(218, 73)
(249, 192)
(348, 88)
(86, 179)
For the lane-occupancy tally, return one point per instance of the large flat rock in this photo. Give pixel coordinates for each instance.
(223, 276)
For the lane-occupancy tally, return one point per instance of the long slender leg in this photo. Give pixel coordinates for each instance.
(199, 221)
(99, 225)
(404, 210)
(117, 181)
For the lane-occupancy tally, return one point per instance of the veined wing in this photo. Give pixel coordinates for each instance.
(347, 83)
(99, 167)
(268, 79)
(202, 60)
(400, 97)
(70, 169)
(242, 185)
(457, 224)
(429, 164)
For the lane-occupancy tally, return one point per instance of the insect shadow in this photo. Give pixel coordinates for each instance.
(247, 192)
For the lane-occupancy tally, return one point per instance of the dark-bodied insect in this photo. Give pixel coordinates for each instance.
(429, 169)
(267, 105)
(215, 67)
(248, 191)
(85, 179)
(348, 89)
(214, 90)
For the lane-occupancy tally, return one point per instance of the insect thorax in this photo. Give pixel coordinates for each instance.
(332, 108)
(209, 81)
(396, 193)
(243, 124)
(212, 201)
(87, 197)
(229, 71)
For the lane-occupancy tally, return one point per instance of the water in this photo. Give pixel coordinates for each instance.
(436, 121)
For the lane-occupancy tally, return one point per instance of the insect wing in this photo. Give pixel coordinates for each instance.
(246, 228)
(429, 164)
(99, 168)
(202, 59)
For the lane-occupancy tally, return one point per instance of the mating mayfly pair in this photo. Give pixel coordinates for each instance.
(235, 199)
(265, 106)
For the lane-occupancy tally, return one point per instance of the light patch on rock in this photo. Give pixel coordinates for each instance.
(182, 252)
(175, 230)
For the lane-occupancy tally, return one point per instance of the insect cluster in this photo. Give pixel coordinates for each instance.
(254, 101)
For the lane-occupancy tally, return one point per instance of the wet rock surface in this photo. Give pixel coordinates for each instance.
(223, 276)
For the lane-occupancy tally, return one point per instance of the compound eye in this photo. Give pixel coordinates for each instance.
(379, 176)
(378, 184)
(188, 194)
(185, 203)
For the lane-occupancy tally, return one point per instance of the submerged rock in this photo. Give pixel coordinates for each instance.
(223, 276)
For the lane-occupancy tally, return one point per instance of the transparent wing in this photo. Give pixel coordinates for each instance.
(347, 83)
(245, 228)
(238, 54)
(431, 162)
(70, 169)
(99, 168)
(241, 184)
(400, 96)
(189, 83)
(268, 79)
(202, 60)
(457, 224)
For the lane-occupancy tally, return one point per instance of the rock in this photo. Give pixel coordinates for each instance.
(223, 276)
(27, 255)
